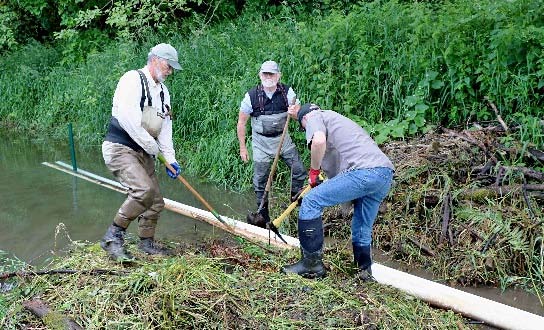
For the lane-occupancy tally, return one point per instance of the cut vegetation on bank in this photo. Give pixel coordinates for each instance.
(223, 284)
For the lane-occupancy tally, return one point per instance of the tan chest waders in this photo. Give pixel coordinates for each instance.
(152, 117)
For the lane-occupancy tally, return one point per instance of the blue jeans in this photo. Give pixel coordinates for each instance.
(365, 187)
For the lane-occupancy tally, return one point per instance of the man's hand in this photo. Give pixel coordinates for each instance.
(177, 168)
(292, 110)
(313, 177)
(243, 154)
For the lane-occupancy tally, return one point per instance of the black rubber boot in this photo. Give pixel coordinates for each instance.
(112, 243)
(264, 212)
(149, 246)
(310, 265)
(362, 256)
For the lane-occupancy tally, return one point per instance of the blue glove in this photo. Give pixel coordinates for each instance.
(177, 168)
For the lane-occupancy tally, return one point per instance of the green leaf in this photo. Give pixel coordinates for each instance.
(412, 129)
(437, 84)
(411, 100)
(421, 107)
(398, 132)
(410, 115)
(420, 121)
(431, 75)
(380, 138)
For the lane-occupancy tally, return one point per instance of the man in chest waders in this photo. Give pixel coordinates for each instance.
(266, 105)
(140, 128)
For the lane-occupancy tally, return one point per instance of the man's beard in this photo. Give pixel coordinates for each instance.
(159, 75)
(269, 83)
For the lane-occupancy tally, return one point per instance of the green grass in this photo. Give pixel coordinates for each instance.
(237, 286)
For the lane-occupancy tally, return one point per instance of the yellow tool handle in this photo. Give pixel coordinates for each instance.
(277, 222)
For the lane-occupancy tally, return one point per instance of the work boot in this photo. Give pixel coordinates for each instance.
(265, 214)
(149, 246)
(310, 265)
(362, 257)
(112, 243)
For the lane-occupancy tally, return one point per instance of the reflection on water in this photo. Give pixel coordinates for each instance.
(42, 209)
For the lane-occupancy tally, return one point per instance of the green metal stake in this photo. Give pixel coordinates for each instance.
(72, 149)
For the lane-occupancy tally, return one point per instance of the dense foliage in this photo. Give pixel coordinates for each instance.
(398, 68)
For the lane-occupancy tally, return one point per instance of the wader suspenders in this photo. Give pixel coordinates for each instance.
(143, 79)
(260, 96)
(162, 99)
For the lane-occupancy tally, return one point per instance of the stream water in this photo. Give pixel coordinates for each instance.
(43, 209)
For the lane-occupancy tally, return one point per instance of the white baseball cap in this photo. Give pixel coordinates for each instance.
(167, 52)
(270, 67)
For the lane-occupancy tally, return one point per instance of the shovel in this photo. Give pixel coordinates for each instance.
(192, 190)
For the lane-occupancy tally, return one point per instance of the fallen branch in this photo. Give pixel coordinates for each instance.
(526, 171)
(467, 136)
(52, 319)
(500, 176)
(490, 241)
(499, 118)
(526, 199)
(471, 231)
(486, 168)
(62, 271)
(536, 153)
(500, 191)
(446, 216)
(422, 247)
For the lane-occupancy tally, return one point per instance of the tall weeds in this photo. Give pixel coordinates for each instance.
(408, 64)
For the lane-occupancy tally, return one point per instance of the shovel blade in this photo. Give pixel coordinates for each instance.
(256, 219)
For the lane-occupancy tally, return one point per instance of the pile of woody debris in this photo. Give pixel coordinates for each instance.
(466, 205)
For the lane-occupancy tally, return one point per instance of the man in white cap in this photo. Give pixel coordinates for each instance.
(266, 105)
(140, 128)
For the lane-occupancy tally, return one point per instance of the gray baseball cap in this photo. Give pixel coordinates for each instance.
(304, 110)
(167, 52)
(270, 67)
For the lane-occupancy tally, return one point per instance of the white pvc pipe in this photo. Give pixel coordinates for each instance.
(235, 227)
(470, 305)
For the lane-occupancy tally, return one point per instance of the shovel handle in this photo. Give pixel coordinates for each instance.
(191, 189)
(277, 222)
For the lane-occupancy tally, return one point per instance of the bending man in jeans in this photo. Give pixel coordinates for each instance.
(358, 171)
